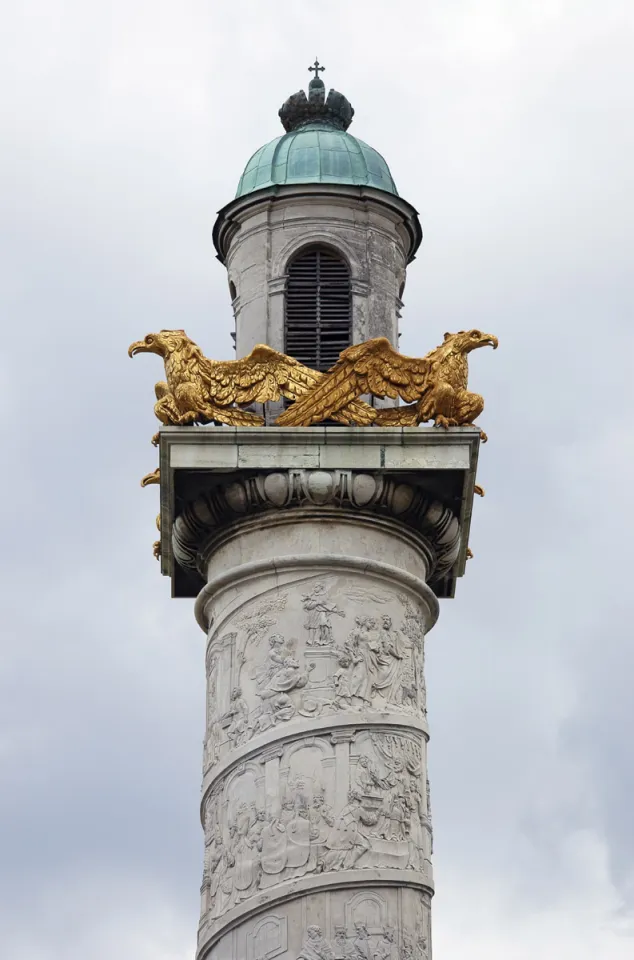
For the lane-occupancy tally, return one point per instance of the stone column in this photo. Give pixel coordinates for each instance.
(314, 802)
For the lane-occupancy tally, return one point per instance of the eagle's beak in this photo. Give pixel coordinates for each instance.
(139, 346)
(490, 340)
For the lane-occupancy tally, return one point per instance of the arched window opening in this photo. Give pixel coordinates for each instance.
(318, 308)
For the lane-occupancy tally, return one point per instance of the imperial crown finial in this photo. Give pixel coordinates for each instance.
(299, 109)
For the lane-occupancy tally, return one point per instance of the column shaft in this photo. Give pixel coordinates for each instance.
(314, 793)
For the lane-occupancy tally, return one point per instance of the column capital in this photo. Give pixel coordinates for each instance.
(343, 736)
(271, 753)
(214, 477)
(203, 520)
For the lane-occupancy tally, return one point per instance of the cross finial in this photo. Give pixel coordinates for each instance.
(316, 68)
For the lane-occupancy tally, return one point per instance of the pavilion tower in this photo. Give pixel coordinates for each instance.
(317, 240)
(318, 556)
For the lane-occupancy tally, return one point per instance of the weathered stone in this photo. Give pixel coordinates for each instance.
(320, 585)
(193, 476)
(315, 808)
(258, 235)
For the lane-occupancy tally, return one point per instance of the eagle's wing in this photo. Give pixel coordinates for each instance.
(263, 375)
(370, 367)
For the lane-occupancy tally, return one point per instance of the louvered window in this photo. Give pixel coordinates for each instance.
(318, 320)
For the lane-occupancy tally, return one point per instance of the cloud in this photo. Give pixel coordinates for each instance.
(127, 126)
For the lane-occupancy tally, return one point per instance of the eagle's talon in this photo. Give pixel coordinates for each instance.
(469, 554)
(156, 439)
(156, 549)
(483, 436)
(478, 490)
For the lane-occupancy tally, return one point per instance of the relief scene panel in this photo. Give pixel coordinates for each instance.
(369, 924)
(315, 806)
(319, 647)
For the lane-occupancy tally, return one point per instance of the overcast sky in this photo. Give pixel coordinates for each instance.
(125, 126)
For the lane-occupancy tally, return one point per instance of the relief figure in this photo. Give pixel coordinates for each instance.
(342, 681)
(343, 948)
(212, 855)
(281, 672)
(238, 717)
(413, 627)
(320, 612)
(321, 822)
(218, 876)
(245, 832)
(273, 841)
(392, 815)
(361, 946)
(254, 626)
(293, 842)
(368, 778)
(315, 946)
(396, 813)
(212, 681)
(414, 949)
(386, 948)
(347, 840)
(297, 842)
(416, 839)
(275, 679)
(391, 660)
(211, 748)
(375, 659)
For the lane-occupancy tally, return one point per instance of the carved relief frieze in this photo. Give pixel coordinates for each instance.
(372, 930)
(255, 623)
(369, 924)
(362, 923)
(363, 945)
(318, 805)
(323, 646)
(320, 611)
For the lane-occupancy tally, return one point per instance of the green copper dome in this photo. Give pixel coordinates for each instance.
(316, 147)
(316, 153)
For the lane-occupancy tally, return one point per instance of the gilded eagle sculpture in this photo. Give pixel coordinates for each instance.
(199, 390)
(434, 387)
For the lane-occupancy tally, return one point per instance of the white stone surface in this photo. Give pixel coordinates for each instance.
(364, 226)
(345, 458)
(378, 923)
(315, 796)
(319, 548)
(337, 537)
(424, 448)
